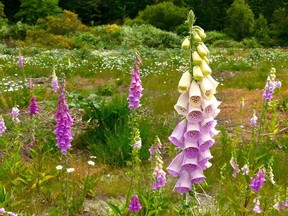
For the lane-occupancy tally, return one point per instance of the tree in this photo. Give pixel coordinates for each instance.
(240, 20)
(262, 30)
(31, 10)
(2, 15)
(10, 9)
(279, 26)
(165, 15)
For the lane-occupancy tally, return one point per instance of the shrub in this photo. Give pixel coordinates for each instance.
(213, 36)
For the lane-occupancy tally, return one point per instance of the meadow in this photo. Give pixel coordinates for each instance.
(97, 85)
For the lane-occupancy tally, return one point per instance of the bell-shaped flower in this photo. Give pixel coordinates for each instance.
(195, 114)
(184, 82)
(189, 164)
(2, 126)
(205, 142)
(183, 184)
(182, 104)
(207, 124)
(191, 149)
(213, 82)
(210, 107)
(196, 37)
(197, 59)
(175, 166)
(186, 44)
(134, 205)
(213, 132)
(177, 136)
(204, 157)
(195, 94)
(197, 73)
(256, 207)
(205, 166)
(193, 132)
(197, 176)
(205, 48)
(201, 50)
(206, 88)
(206, 70)
(33, 107)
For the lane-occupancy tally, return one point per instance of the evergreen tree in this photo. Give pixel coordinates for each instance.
(262, 31)
(279, 26)
(240, 20)
(31, 10)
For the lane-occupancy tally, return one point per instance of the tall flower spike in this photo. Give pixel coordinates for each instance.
(2, 126)
(55, 84)
(258, 181)
(135, 205)
(20, 61)
(194, 135)
(63, 125)
(135, 90)
(33, 107)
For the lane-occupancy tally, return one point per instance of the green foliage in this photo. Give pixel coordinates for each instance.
(214, 36)
(31, 10)
(165, 15)
(262, 30)
(240, 20)
(16, 31)
(280, 25)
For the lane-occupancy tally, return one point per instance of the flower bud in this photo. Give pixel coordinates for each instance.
(205, 68)
(186, 44)
(196, 37)
(184, 82)
(206, 59)
(201, 50)
(197, 73)
(196, 58)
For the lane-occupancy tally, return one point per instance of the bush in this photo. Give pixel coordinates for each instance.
(17, 31)
(165, 15)
(213, 36)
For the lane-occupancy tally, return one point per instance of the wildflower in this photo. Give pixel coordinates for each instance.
(20, 61)
(11, 214)
(271, 175)
(93, 157)
(55, 84)
(2, 210)
(135, 205)
(270, 85)
(137, 139)
(15, 112)
(245, 169)
(30, 84)
(59, 167)
(64, 122)
(32, 143)
(33, 107)
(257, 208)
(253, 120)
(277, 206)
(258, 181)
(135, 90)
(92, 163)
(278, 84)
(235, 167)
(2, 126)
(69, 170)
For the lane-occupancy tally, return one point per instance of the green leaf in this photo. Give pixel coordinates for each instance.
(114, 208)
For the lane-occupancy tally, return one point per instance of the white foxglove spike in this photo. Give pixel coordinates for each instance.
(182, 104)
(206, 88)
(184, 82)
(195, 94)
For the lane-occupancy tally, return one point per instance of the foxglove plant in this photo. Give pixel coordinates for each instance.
(20, 61)
(258, 180)
(33, 107)
(15, 113)
(198, 106)
(2, 126)
(63, 125)
(54, 83)
(135, 205)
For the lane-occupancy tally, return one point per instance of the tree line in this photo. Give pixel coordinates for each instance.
(265, 20)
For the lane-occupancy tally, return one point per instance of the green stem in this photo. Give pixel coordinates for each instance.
(66, 187)
(262, 121)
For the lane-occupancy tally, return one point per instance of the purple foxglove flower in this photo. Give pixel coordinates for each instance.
(135, 205)
(33, 106)
(135, 91)
(20, 61)
(55, 84)
(30, 84)
(253, 120)
(258, 181)
(207, 124)
(235, 167)
(15, 112)
(183, 184)
(160, 177)
(2, 126)
(193, 132)
(257, 208)
(268, 90)
(175, 166)
(11, 214)
(195, 115)
(197, 176)
(277, 206)
(206, 165)
(204, 157)
(2, 210)
(205, 142)
(191, 149)
(137, 144)
(177, 136)
(210, 107)
(277, 84)
(189, 164)
(64, 122)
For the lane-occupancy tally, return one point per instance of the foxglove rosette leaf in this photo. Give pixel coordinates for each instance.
(193, 136)
(63, 125)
